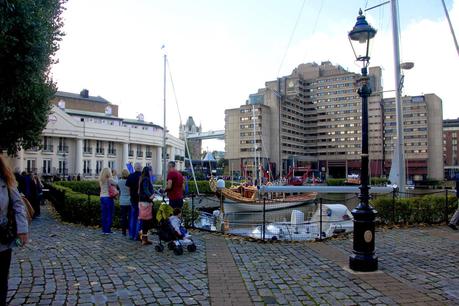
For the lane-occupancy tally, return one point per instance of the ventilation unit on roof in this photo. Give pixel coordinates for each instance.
(84, 93)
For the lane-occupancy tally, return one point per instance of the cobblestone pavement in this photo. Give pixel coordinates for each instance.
(424, 258)
(68, 264)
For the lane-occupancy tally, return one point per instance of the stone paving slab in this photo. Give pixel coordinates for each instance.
(425, 258)
(67, 264)
(226, 285)
(74, 265)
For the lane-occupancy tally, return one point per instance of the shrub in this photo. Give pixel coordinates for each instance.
(335, 181)
(204, 186)
(85, 187)
(428, 209)
(85, 209)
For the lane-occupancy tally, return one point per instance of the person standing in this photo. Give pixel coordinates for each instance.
(107, 202)
(38, 190)
(174, 186)
(125, 203)
(9, 195)
(132, 183)
(146, 196)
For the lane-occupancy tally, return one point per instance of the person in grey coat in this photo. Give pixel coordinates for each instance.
(9, 192)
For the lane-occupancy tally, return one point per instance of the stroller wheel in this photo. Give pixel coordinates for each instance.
(159, 248)
(171, 245)
(178, 250)
(191, 248)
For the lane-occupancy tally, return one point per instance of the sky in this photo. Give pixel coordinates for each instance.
(220, 51)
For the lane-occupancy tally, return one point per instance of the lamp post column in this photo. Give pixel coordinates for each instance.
(363, 257)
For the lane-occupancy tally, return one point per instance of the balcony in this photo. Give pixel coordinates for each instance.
(131, 153)
(87, 172)
(148, 154)
(100, 151)
(62, 149)
(33, 150)
(47, 149)
(87, 151)
(139, 154)
(111, 152)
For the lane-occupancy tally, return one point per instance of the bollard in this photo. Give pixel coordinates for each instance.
(393, 204)
(320, 219)
(446, 205)
(192, 210)
(264, 217)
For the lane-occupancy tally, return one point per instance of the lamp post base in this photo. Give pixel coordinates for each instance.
(363, 263)
(363, 258)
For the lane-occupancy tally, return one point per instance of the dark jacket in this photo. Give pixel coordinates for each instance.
(145, 190)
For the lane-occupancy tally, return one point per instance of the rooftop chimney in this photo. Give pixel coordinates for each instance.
(84, 93)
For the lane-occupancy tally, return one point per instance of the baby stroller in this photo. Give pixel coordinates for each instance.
(167, 233)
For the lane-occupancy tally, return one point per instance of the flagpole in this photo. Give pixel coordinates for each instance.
(164, 126)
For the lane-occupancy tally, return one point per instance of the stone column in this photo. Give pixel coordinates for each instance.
(79, 157)
(159, 166)
(125, 155)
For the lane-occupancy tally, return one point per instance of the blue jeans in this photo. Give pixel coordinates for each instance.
(107, 206)
(125, 216)
(134, 224)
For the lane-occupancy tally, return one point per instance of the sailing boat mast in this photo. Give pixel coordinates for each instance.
(164, 127)
(399, 149)
(255, 165)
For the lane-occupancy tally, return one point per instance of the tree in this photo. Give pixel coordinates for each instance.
(30, 31)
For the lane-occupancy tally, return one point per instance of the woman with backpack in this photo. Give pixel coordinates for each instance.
(13, 224)
(146, 196)
(108, 193)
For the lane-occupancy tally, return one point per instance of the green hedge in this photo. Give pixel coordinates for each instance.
(85, 209)
(375, 181)
(92, 187)
(85, 187)
(335, 181)
(428, 209)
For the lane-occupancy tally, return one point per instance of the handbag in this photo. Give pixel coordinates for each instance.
(145, 211)
(29, 209)
(8, 231)
(112, 191)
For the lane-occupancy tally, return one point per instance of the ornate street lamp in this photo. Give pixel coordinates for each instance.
(363, 257)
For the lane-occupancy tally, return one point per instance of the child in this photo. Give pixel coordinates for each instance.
(176, 222)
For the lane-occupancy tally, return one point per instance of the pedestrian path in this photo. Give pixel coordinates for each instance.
(67, 264)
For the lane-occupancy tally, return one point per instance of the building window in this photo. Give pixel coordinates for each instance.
(87, 167)
(111, 164)
(139, 151)
(99, 166)
(99, 147)
(63, 167)
(63, 148)
(46, 166)
(47, 144)
(87, 146)
(131, 151)
(111, 148)
(31, 166)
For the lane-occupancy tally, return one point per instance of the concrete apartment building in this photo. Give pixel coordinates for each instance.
(450, 147)
(313, 118)
(84, 134)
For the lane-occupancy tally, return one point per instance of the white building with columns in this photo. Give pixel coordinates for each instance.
(83, 142)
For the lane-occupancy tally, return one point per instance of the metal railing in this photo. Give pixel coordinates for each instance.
(47, 148)
(319, 218)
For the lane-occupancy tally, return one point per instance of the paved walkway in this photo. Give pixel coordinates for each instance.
(68, 264)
